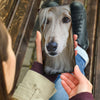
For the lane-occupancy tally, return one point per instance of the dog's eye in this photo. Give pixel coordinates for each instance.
(47, 21)
(66, 20)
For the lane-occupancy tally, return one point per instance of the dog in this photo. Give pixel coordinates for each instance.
(57, 39)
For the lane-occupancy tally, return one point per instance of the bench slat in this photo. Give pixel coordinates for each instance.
(5, 9)
(91, 27)
(96, 81)
(18, 19)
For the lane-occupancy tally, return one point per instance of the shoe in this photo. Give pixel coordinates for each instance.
(79, 24)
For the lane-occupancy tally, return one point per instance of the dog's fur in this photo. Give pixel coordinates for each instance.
(54, 29)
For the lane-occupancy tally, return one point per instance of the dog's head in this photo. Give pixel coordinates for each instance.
(55, 25)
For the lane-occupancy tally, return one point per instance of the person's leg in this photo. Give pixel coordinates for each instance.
(81, 60)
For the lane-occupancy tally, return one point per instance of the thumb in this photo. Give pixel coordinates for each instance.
(78, 74)
(38, 47)
(38, 37)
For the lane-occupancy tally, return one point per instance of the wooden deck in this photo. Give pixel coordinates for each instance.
(20, 16)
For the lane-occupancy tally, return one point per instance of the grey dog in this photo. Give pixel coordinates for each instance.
(57, 39)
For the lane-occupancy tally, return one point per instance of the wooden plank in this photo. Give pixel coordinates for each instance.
(91, 27)
(5, 8)
(11, 14)
(18, 18)
(96, 82)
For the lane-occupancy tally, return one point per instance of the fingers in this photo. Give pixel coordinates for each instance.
(66, 87)
(68, 82)
(76, 52)
(38, 47)
(84, 84)
(78, 74)
(75, 44)
(75, 37)
(70, 77)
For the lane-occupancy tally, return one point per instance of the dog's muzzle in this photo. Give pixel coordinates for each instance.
(51, 48)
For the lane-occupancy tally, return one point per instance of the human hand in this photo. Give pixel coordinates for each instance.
(76, 83)
(38, 48)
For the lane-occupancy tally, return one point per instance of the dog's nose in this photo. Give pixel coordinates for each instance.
(52, 46)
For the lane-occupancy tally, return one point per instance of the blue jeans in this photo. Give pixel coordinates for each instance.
(61, 94)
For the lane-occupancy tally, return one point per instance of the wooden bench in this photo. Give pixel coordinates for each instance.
(19, 17)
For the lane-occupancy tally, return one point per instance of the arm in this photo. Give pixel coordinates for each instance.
(34, 86)
(83, 96)
(38, 67)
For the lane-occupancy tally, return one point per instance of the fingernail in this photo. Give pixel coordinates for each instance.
(76, 67)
